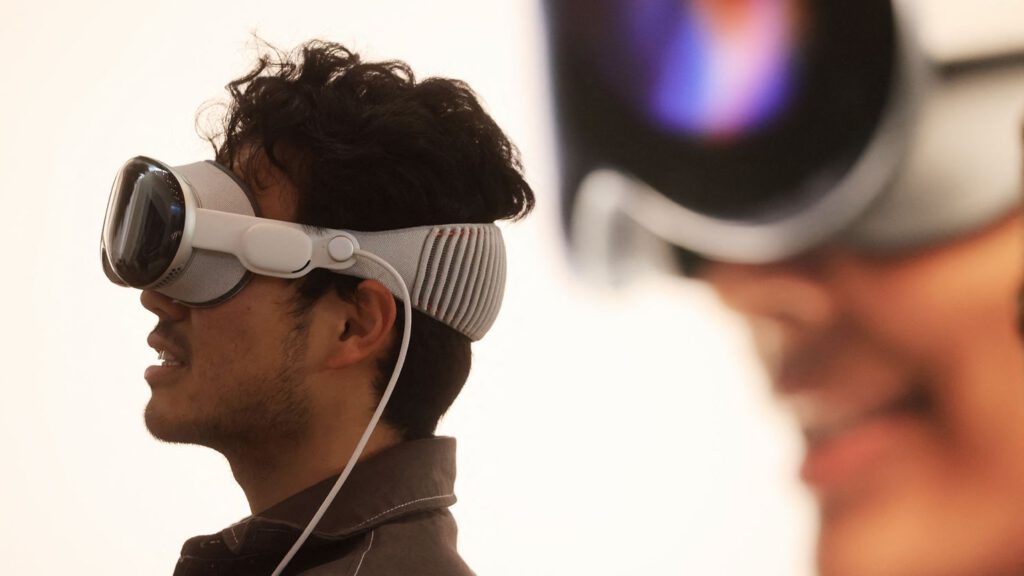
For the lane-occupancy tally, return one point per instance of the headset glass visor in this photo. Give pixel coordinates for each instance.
(144, 224)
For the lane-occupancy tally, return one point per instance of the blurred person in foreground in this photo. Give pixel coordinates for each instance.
(280, 365)
(854, 195)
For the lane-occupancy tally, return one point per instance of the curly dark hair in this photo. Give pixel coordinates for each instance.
(370, 148)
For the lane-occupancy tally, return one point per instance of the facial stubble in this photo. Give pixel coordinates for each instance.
(258, 416)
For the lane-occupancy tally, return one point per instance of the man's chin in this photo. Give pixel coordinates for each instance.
(167, 428)
(911, 536)
(848, 549)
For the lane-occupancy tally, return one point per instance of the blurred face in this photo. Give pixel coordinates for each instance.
(233, 375)
(906, 376)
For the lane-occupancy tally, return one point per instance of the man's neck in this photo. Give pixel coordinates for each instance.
(270, 474)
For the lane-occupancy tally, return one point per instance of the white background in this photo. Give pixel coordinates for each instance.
(600, 433)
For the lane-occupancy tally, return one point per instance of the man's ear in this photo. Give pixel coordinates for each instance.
(364, 326)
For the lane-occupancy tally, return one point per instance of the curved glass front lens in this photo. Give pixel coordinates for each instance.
(145, 222)
(740, 109)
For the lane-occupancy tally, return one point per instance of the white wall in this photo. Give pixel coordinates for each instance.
(599, 433)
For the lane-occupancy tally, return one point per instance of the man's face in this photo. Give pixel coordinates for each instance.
(243, 367)
(242, 372)
(906, 376)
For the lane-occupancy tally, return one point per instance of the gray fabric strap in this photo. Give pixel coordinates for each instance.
(455, 273)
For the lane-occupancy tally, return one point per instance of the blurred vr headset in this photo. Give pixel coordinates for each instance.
(193, 233)
(753, 131)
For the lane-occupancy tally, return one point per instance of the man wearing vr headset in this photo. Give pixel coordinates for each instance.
(279, 341)
(854, 195)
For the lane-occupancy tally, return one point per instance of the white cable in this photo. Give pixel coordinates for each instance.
(406, 331)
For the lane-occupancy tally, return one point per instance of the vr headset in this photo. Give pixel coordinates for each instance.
(755, 131)
(193, 233)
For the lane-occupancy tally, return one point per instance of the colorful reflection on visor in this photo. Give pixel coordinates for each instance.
(712, 68)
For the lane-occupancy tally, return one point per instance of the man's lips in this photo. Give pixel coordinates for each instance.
(844, 444)
(170, 352)
(826, 414)
(855, 407)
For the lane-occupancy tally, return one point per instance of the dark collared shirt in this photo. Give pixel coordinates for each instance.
(390, 518)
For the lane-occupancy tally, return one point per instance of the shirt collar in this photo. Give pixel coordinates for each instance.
(409, 477)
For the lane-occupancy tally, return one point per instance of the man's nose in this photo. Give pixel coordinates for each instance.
(165, 308)
(794, 295)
